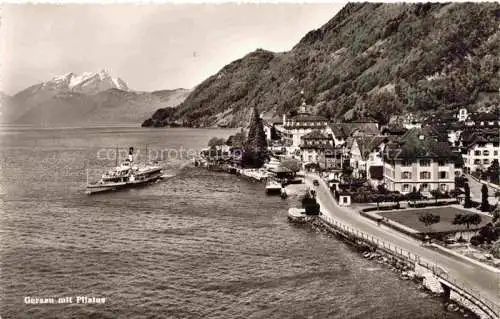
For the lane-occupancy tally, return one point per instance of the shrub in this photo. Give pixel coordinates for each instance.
(477, 240)
(310, 205)
(460, 181)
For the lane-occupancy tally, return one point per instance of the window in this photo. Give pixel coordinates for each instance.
(443, 187)
(425, 163)
(486, 161)
(406, 188)
(486, 153)
(344, 199)
(477, 161)
(425, 175)
(495, 153)
(477, 153)
(443, 174)
(406, 175)
(441, 163)
(424, 187)
(405, 163)
(310, 158)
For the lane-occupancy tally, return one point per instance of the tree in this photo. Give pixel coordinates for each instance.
(347, 173)
(456, 192)
(493, 172)
(398, 198)
(496, 214)
(255, 151)
(238, 140)
(310, 205)
(488, 232)
(382, 189)
(467, 219)
(485, 205)
(414, 195)
(467, 201)
(436, 193)
(216, 141)
(429, 219)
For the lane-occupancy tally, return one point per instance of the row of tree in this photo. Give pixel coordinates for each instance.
(467, 219)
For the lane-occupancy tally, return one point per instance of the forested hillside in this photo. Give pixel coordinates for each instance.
(375, 60)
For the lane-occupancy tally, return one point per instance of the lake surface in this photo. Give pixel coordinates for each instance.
(199, 244)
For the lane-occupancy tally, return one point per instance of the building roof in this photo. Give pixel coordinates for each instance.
(344, 130)
(394, 129)
(367, 144)
(472, 137)
(316, 134)
(318, 146)
(419, 143)
(338, 130)
(483, 116)
(306, 117)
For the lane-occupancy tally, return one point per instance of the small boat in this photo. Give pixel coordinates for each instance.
(126, 175)
(273, 187)
(297, 215)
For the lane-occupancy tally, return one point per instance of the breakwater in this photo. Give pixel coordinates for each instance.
(456, 296)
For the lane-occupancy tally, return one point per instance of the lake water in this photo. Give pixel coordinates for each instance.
(199, 244)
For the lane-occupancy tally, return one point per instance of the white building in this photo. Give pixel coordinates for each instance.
(419, 161)
(295, 127)
(462, 115)
(480, 153)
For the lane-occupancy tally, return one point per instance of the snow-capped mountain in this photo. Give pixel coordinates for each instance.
(88, 82)
(84, 99)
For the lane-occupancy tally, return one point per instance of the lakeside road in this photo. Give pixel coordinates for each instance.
(486, 281)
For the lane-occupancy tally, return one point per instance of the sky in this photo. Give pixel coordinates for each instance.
(149, 46)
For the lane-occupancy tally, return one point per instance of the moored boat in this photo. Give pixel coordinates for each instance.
(273, 187)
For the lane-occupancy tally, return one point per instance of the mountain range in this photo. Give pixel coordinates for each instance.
(84, 99)
(370, 60)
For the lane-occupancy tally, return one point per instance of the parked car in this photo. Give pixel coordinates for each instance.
(315, 182)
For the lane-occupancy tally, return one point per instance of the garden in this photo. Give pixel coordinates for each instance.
(446, 223)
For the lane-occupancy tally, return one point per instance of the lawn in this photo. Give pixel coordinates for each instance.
(410, 218)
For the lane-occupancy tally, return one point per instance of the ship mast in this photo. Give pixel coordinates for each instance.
(116, 156)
